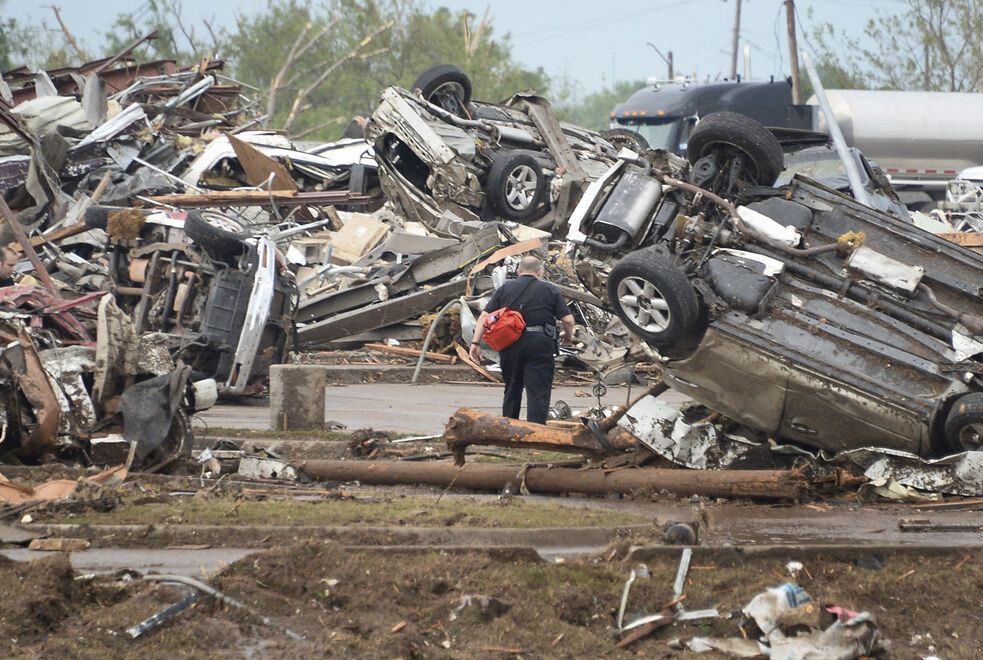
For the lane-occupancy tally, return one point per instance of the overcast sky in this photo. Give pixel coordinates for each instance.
(590, 42)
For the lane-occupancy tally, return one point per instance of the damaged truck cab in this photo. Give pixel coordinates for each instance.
(795, 311)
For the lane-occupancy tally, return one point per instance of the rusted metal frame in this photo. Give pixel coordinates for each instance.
(150, 36)
(37, 389)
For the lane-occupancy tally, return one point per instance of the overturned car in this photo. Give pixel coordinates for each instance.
(220, 293)
(794, 310)
(440, 152)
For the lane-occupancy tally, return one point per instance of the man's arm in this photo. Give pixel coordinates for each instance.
(568, 325)
(479, 330)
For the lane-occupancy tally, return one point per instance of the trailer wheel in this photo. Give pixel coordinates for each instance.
(725, 136)
(446, 86)
(652, 296)
(964, 424)
(626, 138)
(216, 233)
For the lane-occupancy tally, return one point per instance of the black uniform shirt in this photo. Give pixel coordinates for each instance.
(541, 302)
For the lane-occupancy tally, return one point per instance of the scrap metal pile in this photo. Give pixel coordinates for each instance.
(147, 215)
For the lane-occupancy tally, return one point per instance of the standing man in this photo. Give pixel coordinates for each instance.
(8, 264)
(528, 363)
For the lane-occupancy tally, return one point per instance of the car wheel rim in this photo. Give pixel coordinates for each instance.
(644, 304)
(219, 221)
(520, 187)
(971, 436)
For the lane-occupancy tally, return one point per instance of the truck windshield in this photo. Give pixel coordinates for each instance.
(659, 136)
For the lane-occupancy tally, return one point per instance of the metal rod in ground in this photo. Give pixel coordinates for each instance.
(760, 484)
(215, 593)
(163, 616)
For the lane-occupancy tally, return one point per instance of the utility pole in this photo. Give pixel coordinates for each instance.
(667, 60)
(733, 43)
(793, 52)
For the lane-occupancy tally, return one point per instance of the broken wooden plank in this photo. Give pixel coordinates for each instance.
(55, 236)
(466, 359)
(410, 352)
(758, 484)
(261, 198)
(964, 238)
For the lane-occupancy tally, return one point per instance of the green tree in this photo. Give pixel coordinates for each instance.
(594, 110)
(177, 38)
(17, 41)
(336, 57)
(928, 44)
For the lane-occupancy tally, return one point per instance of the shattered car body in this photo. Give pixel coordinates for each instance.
(514, 161)
(73, 400)
(795, 310)
(222, 297)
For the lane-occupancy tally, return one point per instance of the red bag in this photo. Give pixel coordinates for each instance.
(504, 326)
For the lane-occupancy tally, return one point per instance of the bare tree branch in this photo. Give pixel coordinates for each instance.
(69, 37)
(355, 53)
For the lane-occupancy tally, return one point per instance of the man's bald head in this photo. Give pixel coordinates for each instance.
(531, 265)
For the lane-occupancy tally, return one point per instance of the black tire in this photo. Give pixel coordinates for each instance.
(964, 424)
(216, 233)
(625, 137)
(644, 278)
(446, 86)
(731, 131)
(516, 186)
(97, 217)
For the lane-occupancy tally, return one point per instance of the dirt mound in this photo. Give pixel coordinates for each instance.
(36, 596)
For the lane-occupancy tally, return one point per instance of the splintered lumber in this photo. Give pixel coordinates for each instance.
(409, 352)
(260, 198)
(757, 484)
(470, 427)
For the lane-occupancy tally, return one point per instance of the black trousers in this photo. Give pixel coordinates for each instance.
(528, 364)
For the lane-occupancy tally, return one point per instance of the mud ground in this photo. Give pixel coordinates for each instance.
(364, 571)
(367, 602)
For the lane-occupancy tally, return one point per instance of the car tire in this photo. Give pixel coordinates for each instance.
(627, 138)
(446, 86)
(216, 233)
(653, 298)
(964, 423)
(736, 131)
(516, 186)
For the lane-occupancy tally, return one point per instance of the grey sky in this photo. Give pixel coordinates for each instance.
(588, 41)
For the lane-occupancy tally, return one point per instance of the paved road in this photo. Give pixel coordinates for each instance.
(421, 409)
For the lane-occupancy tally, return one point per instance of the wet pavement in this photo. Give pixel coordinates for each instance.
(197, 563)
(415, 409)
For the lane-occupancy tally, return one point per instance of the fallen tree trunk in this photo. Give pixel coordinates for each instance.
(758, 484)
(470, 427)
(603, 438)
